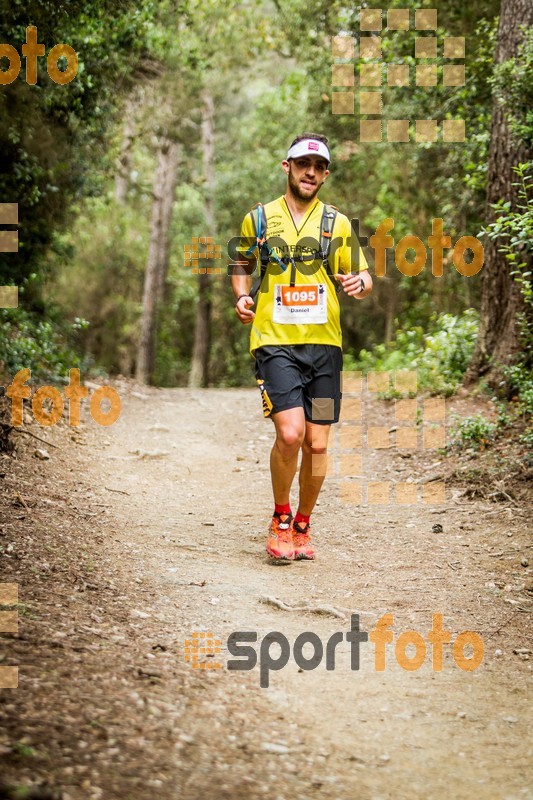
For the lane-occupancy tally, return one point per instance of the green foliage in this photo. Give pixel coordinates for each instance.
(51, 135)
(45, 346)
(176, 320)
(99, 265)
(440, 355)
(513, 230)
(521, 381)
(514, 227)
(270, 76)
(25, 751)
(243, 182)
(474, 431)
(479, 432)
(527, 439)
(520, 409)
(409, 182)
(513, 85)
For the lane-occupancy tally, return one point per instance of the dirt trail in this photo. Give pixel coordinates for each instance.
(175, 544)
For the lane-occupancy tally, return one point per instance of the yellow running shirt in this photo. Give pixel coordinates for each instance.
(309, 312)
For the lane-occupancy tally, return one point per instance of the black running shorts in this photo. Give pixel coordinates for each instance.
(304, 376)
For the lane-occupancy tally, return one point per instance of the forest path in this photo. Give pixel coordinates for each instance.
(179, 497)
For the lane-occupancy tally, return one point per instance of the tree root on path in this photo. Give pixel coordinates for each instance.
(306, 606)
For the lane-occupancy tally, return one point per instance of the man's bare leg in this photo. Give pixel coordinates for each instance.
(314, 460)
(290, 432)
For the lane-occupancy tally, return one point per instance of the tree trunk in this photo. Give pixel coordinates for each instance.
(498, 338)
(199, 374)
(156, 269)
(122, 178)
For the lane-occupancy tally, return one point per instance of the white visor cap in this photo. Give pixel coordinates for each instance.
(309, 147)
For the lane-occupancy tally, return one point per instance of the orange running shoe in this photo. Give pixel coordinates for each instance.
(301, 539)
(279, 543)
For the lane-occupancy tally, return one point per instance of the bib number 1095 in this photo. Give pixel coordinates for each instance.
(299, 297)
(294, 305)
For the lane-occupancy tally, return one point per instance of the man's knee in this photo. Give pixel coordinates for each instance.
(289, 439)
(314, 450)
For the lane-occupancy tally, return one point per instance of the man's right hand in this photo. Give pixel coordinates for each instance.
(241, 309)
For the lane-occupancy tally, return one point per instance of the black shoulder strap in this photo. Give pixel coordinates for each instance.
(329, 215)
(260, 225)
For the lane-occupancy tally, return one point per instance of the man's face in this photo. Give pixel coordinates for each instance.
(306, 175)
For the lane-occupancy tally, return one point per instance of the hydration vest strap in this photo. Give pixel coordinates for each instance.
(327, 223)
(329, 214)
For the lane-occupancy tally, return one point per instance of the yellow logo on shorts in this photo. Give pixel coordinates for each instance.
(267, 402)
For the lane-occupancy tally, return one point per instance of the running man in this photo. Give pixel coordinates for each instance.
(296, 335)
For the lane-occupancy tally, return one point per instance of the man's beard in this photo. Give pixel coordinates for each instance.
(295, 189)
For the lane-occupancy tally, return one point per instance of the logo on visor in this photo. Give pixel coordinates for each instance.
(312, 146)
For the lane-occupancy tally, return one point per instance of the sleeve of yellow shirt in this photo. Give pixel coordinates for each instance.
(347, 258)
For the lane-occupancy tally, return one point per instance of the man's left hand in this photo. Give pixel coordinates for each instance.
(357, 284)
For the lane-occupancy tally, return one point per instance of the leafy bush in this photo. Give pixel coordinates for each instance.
(440, 356)
(521, 380)
(527, 440)
(43, 346)
(474, 431)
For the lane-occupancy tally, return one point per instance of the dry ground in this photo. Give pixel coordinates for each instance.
(130, 538)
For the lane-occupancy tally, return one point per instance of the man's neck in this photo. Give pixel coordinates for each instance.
(297, 206)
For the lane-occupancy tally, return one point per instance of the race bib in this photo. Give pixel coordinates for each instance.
(307, 304)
